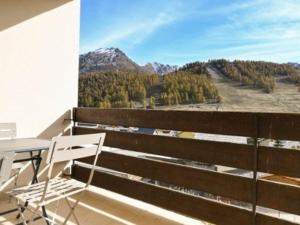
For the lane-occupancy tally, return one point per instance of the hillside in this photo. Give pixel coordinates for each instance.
(110, 79)
(285, 98)
(129, 89)
(115, 60)
(295, 65)
(257, 74)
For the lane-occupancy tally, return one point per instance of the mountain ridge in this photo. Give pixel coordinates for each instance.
(114, 60)
(106, 59)
(257, 74)
(160, 68)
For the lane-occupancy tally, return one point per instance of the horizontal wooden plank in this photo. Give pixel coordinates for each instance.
(229, 123)
(281, 126)
(235, 187)
(279, 161)
(227, 154)
(285, 126)
(262, 219)
(179, 202)
(278, 196)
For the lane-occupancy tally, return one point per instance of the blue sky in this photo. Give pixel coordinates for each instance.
(181, 31)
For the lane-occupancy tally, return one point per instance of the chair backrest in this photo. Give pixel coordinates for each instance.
(8, 130)
(66, 148)
(6, 161)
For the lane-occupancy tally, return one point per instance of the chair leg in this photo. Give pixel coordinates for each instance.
(34, 213)
(45, 215)
(33, 218)
(55, 213)
(20, 209)
(16, 178)
(73, 213)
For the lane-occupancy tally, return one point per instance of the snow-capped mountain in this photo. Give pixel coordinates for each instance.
(106, 59)
(113, 59)
(164, 68)
(159, 68)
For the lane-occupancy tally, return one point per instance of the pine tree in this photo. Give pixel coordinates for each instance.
(144, 104)
(152, 102)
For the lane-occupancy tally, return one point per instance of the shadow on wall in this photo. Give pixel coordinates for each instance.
(59, 127)
(13, 12)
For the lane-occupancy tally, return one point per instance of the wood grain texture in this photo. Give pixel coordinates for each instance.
(282, 126)
(179, 202)
(229, 123)
(269, 194)
(278, 196)
(279, 161)
(235, 187)
(227, 154)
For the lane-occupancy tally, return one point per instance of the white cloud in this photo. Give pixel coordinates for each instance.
(259, 30)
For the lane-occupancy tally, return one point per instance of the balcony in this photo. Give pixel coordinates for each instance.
(145, 178)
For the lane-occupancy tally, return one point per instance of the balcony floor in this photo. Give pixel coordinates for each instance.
(97, 209)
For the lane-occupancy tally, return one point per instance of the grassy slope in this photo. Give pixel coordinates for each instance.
(286, 97)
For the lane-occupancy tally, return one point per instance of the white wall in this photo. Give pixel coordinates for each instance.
(39, 48)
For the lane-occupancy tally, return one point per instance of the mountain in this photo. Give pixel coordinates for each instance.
(148, 68)
(106, 59)
(159, 68)
(113, 59)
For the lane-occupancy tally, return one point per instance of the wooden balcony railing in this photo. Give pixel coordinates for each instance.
(251, 192)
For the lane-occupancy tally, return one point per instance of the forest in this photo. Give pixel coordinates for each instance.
(190, 84)
(257, 74)
(136, 89)
(199, 68)
(187, 88)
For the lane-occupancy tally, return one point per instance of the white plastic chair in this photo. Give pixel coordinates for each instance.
(62, 149)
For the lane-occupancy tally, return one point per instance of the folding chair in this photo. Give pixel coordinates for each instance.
(62, 149)
(9, 131)
(6, 161)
